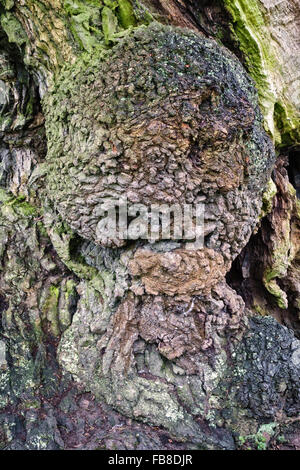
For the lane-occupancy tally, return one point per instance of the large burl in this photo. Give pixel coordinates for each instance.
(169, 117)
(165, 117)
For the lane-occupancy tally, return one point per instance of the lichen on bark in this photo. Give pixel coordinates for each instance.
(106, 343)
(272, 54)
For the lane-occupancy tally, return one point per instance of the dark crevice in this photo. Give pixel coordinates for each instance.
(247, 271)
(23, 99)
(213, 19)
(294, 169)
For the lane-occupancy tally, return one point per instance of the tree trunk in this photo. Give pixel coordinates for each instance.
(110, 339)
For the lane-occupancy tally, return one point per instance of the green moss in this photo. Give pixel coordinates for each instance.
(277, 270)
(109, 24)
(22, 206)
(72, 28)
(18, 204)
(5, 122)
(258, 440)
(287, 125)
(8, 4)
(31, 404)
(268, 428)
(42, 229)
(69, 289)
(30, 106)
(4, 196)
(92, 21)
(62, 228)
(85, 22)
(298, 208)
(54, 291)
(260, 310)
(68, 296)
(261, 442)
(126, 14)
(283, 253)
(50, 309)
(61, 237)
(255, 41)
(269, 280)
(267, 199)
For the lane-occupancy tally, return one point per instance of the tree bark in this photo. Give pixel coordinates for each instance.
(113, 343)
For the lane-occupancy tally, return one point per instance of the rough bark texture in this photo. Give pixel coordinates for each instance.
(106, 343)
(268, 33)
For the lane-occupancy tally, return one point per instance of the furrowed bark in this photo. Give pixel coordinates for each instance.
(153, 102)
